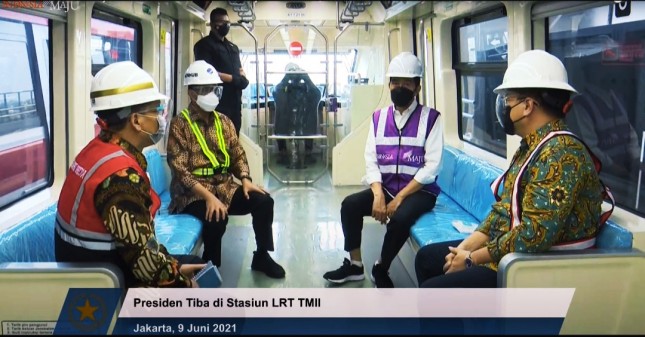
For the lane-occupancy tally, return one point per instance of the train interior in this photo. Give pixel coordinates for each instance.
(316, 72)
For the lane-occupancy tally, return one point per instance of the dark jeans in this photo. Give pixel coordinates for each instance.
(359, 205)
(429, 263)
(259, 205)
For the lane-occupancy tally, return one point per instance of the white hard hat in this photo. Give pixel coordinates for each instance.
(201, 73)
(123, 84)
(292, 67)
(405, 65)
(535, 69)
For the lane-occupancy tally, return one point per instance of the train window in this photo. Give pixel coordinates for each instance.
(480, 59)
(25, 142)
(605, 60)
(114, 39)
(314, 64)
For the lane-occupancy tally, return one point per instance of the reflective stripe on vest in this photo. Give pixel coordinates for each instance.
(204, 171)
(202, 141)
(77, 220)
(82, 238)
(515, 202)
(88, 175)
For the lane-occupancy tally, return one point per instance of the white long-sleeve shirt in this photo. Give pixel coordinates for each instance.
(433, 150)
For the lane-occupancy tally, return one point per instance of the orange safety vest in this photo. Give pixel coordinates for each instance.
(77, 221)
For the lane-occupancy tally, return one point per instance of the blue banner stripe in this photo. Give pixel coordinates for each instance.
(88, 311)
(338, 326)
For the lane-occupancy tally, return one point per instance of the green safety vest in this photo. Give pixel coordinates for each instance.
(209, 171)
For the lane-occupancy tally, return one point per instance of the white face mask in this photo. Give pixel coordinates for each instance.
(208, 102)
(161, 131)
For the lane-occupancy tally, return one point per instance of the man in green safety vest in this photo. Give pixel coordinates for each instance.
(204, 155)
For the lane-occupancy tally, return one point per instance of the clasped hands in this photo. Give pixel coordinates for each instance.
(455, 260)
(382, 212)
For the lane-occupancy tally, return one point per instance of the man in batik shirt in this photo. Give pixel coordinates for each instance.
(106, 208)
(204, 155)
(551, 194)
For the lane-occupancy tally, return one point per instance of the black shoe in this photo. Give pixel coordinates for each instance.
(381, 277)
(347, 272)
(263, 262)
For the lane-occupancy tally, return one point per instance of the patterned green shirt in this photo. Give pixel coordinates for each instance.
(560, 196)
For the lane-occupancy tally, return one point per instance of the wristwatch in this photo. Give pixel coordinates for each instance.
(469, 260)
(246, 177)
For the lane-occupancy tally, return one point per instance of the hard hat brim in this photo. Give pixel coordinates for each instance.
(534, 84)
(132, 102)
(403, 75)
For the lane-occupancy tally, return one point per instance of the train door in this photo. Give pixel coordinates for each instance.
(296, 141)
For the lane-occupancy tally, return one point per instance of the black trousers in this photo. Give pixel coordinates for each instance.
(359, 205)
(259, 205)
(429, 263)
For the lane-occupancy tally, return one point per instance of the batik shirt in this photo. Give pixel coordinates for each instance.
(560, 197)
(123, 201)
(185, 155)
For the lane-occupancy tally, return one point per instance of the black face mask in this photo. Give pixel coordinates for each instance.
(223, 29)
(503, 113)
(401, 96)
(507, 122)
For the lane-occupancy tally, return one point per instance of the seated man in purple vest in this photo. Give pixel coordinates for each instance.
(403, 158)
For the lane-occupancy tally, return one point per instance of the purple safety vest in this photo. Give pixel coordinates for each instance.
(400, 155)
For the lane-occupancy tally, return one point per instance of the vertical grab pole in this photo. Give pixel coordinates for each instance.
(342, 31)
(257, 77)
(389, 48)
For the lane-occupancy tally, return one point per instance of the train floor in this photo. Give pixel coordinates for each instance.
(308, 239)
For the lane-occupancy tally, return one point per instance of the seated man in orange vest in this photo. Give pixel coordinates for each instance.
(204, 154)
(106, 208)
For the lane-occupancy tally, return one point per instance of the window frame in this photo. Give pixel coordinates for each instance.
(539, 22)
(473, 68)
(39, 101)
(117, 19)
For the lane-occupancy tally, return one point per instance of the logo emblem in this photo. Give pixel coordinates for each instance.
(87, 312)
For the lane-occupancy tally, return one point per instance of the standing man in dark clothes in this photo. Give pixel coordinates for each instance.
(224, 55)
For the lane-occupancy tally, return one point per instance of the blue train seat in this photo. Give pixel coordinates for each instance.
(466, 196)
(18, 242)
(180, 233)
(158, 178)
(597, 275)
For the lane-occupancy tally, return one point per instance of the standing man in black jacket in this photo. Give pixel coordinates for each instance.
(224, 55)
